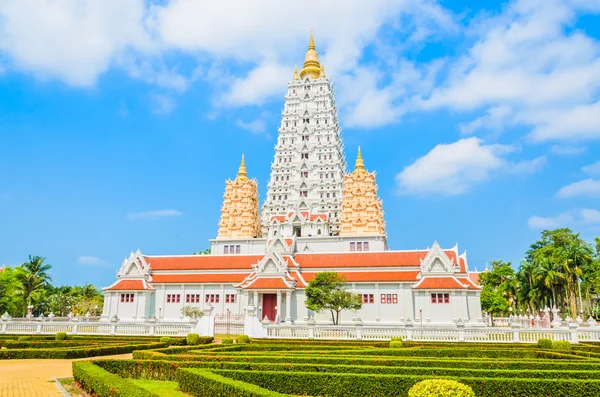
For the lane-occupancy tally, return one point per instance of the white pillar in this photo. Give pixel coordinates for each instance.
(278, 317)
(288, 306)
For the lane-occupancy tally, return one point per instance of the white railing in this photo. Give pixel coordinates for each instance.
(95, 328)
(571, 332)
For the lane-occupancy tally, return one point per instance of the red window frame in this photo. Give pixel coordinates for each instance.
(359, 246)
(365, 244)
(352, 246)
(394, 298)
(368, 298)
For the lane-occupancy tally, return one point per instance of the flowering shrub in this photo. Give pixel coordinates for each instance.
(440, 388)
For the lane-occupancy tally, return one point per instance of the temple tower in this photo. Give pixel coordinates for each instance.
(239, 215)
(307, 173)
(362, 212)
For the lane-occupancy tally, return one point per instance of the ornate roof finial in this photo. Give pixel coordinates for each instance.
(311, 61)
(242, 171)
(296, 77)
(360, 164)
(323, 71)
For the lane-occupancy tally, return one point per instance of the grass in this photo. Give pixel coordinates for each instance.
(71, 387)
(160, 388)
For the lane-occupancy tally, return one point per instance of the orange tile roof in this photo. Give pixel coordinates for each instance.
(439, 283)
(199, 278)
(474, 277)
(364, 277)
(201, 262)
(469, 282)
(361, 259)
(267, 283)
(129, 285)
(280, 218)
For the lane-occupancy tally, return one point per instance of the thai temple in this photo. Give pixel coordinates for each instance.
(317, 217)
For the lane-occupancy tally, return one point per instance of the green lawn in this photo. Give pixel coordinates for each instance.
(161, 388)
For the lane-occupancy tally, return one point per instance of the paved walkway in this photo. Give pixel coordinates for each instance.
(30, 378)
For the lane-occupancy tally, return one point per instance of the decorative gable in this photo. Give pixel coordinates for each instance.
(437, 262)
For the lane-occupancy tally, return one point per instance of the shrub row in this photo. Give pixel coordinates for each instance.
(58, 344)
(207, 384)
(358, 385)
(582, 365)
(165, 370)
(101, 383)
(78, 352)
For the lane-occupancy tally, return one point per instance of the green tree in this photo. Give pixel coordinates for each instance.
(327, 292)
(500, 286)
(10, 301)
(33, 279)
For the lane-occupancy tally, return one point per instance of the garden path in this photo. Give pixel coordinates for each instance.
(31, 378)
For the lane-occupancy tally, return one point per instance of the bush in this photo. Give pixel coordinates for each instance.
(77, 351)
(396, 342)
(562, 345)
(101, 383)
(243, 339)
(24, 338)
(193, 339)
(60, 336)
(165, 339)
(227, 341)
(440, 388)
(207, 384)
(545, 343)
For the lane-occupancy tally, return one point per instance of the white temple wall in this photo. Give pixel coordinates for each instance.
(255, 246)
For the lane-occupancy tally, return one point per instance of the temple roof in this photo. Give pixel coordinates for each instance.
(129, 285)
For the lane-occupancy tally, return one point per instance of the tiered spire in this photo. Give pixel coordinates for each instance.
(311, 61)
(362, 212)
(239, 214)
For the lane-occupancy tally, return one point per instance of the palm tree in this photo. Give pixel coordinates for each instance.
(32, 277)
(548, 275)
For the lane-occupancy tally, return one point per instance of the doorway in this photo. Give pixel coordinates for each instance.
(269, 303)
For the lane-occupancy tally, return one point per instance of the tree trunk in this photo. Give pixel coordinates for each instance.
(333, 317)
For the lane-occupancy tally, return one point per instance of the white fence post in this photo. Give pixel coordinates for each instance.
(409, 329)
(460, 324)
(311, 328)
(358, 326)
(573, 330)
(515, 328)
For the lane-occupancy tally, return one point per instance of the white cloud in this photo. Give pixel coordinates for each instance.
(592, 169)
(578, 217)
(71, 41)
(257, 126)
(587, 188)
(575, 123)
(153, 214)
(451, 169)
(567, 150)
(162, 104)
(528, 166)
(90, 260)
(539, 222)
(263, 82)
(494, 121)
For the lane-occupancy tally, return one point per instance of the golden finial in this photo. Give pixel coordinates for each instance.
(323, 71)
(360, 164)
(242, 171)
(311, 61)
(296, 73)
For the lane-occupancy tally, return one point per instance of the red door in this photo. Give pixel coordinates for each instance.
(268, 306)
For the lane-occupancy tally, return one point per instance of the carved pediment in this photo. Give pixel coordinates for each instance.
(437, 262)
(272, 263)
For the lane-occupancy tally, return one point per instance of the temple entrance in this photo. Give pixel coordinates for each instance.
(269, 303)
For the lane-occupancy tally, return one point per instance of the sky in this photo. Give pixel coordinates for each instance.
(120, 120)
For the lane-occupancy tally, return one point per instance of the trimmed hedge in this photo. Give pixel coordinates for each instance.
(193, 339)
(544, 343)
(207, 384)
(440, 388)
(76, 352)
(562, 345)
(101, 383)
(243, 339)
(60, 336)
(359, 385)
(165, 370)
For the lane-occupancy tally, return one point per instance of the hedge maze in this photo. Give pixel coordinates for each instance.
(348, 369)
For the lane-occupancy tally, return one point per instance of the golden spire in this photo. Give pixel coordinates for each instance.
(242, 171)
(323, 71)
(296, 73)
(311, 61)
(360, 164)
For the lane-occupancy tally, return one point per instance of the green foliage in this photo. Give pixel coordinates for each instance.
(192, 312)
(193, 339)
(395, 344)
(207, 384)
(544, 343)
(440, 388)
(24, 338)
(499, 285)
(60, 352)
(166, 340)
(327, 292)
(60, 336)
(101, 383)
(227, 341)
(562, 345)
(243, 339)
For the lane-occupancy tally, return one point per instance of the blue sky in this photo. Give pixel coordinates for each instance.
(121, 119)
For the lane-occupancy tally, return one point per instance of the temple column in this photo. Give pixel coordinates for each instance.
(288, 306)
(278, 317)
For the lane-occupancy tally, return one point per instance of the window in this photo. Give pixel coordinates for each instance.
(127, 298)
(352, 246)
(389, 299)
(229, 298)
(440, 298)
(359, 246)
(304, 193)
(304, 174)
(192, 298)
(211, 298)
(304, 156)
(366, 243)
(305, 137)
(237, 249)
(368, 298)
(173, 298)
(225, 249)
